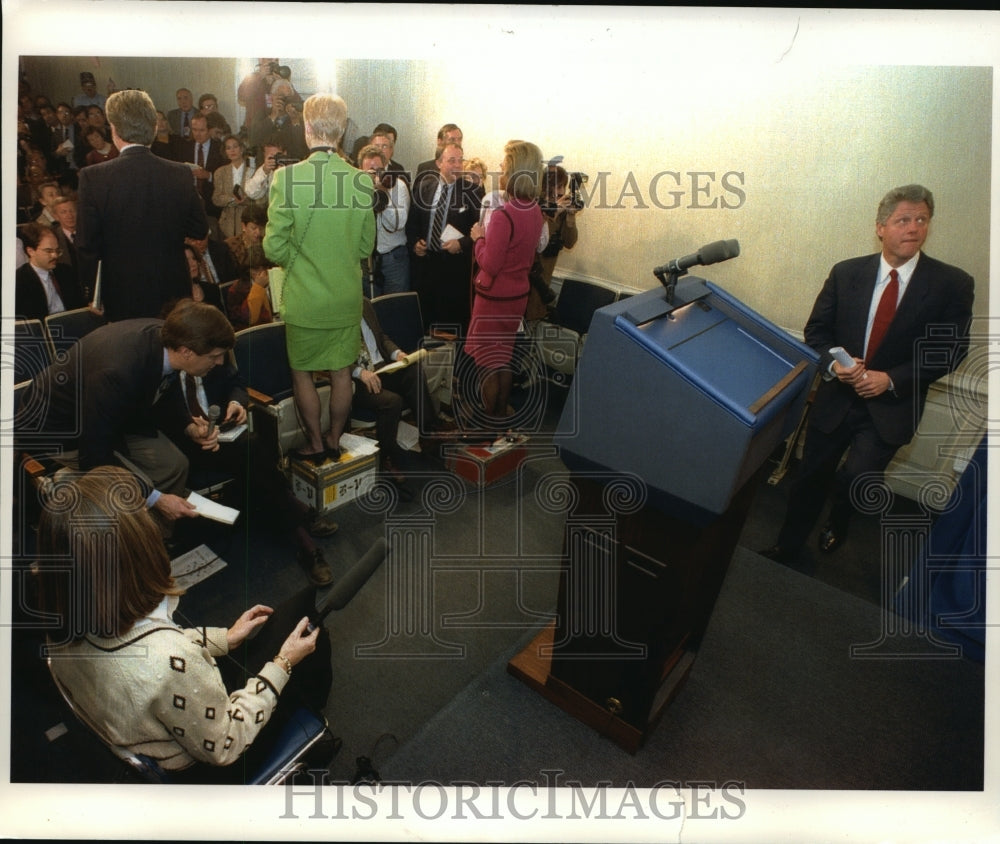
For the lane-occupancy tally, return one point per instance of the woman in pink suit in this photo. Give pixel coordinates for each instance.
(504, 256)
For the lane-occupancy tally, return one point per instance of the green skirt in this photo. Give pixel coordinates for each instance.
(321, 349)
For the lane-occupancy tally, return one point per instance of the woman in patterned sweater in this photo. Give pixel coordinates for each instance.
(141, 680)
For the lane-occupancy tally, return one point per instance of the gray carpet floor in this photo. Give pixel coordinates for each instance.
(774, 701)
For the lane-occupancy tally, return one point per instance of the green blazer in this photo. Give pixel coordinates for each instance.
(320, 225)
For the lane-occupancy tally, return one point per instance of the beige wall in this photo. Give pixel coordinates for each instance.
(791, 162)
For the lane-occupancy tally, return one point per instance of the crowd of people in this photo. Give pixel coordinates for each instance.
(147, 215)
(171, 225)
(208, 244)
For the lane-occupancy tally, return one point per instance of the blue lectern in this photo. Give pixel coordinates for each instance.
(691, 396)
(676, 405)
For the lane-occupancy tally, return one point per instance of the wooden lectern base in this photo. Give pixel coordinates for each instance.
(532, 667)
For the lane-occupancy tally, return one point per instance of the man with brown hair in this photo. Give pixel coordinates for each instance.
(102, 392)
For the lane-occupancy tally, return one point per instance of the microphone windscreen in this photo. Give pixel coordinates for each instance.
(350, 584)
(721, 250)
(213, 413)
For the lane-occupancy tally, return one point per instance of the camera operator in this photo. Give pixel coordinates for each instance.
(260, 182)
(391, 260)
(559, 209)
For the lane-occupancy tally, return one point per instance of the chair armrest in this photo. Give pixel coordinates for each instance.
(258, 397)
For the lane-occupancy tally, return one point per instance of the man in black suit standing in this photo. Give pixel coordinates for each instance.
(442, 211)
(203, 154)
(43, 286)
(134, 213)
(102, 394)
(903, 319)
(180, 118)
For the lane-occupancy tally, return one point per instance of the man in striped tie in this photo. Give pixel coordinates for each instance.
(442, 212)
(903, 317)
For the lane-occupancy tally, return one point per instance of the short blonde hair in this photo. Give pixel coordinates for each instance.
(522, 165)
(325, 116)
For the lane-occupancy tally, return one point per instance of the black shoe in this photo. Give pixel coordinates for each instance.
(830, 539)
(316, 567)
(778, 554)
(333, 454)
(314, 458)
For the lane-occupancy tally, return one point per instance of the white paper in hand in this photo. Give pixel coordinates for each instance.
(212, 509)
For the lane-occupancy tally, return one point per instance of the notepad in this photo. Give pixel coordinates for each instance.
(213, 510)
(231, 434)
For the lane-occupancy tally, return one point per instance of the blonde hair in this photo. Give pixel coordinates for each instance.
(325, 116)
(522, 169)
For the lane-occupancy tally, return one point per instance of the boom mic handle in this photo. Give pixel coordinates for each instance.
(350, 584)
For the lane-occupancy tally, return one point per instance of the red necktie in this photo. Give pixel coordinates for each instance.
(884, 314)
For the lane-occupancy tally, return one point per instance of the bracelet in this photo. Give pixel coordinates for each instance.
(288, 664)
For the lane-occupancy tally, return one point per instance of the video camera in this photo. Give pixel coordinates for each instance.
(575, 182)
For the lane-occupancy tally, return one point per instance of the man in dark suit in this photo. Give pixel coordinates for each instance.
(203, 154)
(43, 286)
(134, 213)
(386, 394)
(64, 228)
(181, 412)
(903, 319)
(441, 268)
(180, 118)
(102, 393)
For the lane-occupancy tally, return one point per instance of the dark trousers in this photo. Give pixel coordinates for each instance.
(308, 686)
(818, 474)
(403, 388)
(444, 283)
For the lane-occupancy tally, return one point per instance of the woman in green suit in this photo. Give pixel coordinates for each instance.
(320, 225)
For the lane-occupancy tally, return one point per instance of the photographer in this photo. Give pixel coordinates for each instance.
(260, 182)
(392, 206)
(559, 209)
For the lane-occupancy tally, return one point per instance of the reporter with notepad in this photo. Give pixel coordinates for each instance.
(99, 397)
(142, 681)
(185, 414)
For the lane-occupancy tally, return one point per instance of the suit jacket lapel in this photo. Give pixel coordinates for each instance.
(860, 290)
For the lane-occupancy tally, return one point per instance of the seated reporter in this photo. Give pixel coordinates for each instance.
(387, 394)
(44, 286)
(142, 680)
(183, 415)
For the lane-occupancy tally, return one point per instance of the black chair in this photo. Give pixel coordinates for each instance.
(401, 320)
(562, 342)
(65, 328)
(32, 349)
(262, 359)
(400, 317)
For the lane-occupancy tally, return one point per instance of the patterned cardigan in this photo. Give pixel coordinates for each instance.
(157, 691)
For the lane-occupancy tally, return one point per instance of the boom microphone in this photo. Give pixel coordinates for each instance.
(712, 253)
(213, 418)
(350, 584)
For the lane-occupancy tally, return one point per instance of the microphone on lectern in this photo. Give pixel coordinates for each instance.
(711, 253)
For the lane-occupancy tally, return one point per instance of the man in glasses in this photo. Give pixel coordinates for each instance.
(43, 286)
